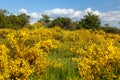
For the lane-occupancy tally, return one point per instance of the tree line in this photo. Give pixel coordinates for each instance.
(13, 21)
(89, 21)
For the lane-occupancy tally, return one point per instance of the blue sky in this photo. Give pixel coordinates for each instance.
(109, 10)
(41, 5)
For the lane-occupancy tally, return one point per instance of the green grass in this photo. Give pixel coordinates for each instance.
(68, 70)
(2, 40)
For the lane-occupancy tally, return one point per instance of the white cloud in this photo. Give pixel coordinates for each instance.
(23, 11)
(88, 10)
(69, 12)
(34, 15)
(112, 17)
(63, 12)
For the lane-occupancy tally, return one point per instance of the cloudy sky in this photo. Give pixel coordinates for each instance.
(108, 10)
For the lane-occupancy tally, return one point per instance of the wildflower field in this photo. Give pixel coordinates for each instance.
(57, 54)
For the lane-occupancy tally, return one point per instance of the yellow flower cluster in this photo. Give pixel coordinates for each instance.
(48, 44)
(98, 61)
(19, 58)
(4, 64)
(37, 25)
(40, 34)
(20, 69)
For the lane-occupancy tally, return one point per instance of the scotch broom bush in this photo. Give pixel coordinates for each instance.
(19, 60)
(98, 61)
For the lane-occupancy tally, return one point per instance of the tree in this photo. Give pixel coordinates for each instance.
(13, 21)
(3, 12)
(78, 25)
(45, 20)
(23, 19)
(108, 29)
(63, 22)
(90, 21)
(3, 20)
(17, 21)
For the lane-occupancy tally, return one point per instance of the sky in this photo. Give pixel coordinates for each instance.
(107, 10)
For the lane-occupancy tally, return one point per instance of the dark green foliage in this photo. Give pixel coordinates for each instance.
(63, 22)
(13, 21)
(78, 25)
(24, 19)
(107, 28)
(3, 20)
(3, 11)
(45, 20)
(90, 21)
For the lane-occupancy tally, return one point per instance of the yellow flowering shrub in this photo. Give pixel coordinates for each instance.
(4, 64)
(37, 25)
(40, 34)
(20, 69)
(19, 58)
(98, 61)
(48, 44)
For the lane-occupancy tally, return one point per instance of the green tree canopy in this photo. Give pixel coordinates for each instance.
(24, 19)
(13, 21)
(3, 21)
(63, 22)
(3, 12)
(45, 18)
(90, 21)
